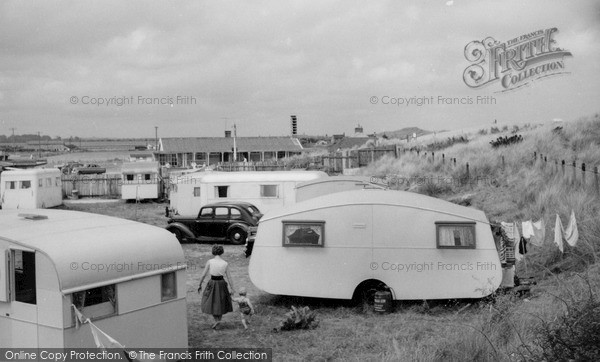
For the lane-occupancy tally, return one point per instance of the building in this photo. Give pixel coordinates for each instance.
(184, 152)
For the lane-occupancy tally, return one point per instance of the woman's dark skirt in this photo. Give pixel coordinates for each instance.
(216, 299)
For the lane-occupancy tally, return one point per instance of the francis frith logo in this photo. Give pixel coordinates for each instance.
(516, 62)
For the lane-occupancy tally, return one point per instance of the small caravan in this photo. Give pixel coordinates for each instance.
(30, 188)
(140, 180)
(347, 243)
(127, 277)
(266, 190)
(332, 184)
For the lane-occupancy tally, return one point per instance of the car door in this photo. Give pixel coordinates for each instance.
(220, 222)
(202, 224)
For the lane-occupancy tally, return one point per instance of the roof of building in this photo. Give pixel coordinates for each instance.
(140, 167)
(78, 243)
(225, 144)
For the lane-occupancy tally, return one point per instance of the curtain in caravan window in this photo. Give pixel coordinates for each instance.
(456, 235)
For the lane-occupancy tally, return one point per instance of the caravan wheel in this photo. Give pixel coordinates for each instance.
(364, 294)
(237, 236)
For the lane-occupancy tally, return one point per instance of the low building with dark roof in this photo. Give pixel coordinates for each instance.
(182, 152)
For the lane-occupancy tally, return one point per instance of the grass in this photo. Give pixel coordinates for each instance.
(502, 329)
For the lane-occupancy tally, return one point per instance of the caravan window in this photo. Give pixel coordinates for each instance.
(168, 286)
(303, 233)
(268, 190)
(11, 185)
(23, 272)
(455, 235)
(58, 181)
(221, 191)
(40, 182)
(49, 181)
(26, 184)
(130, 177)
(147, 177)
(96, 302)
(196, 191)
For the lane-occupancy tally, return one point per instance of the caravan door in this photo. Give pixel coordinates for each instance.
(23, 305)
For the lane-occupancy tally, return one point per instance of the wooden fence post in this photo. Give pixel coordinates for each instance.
(443, 158)
(454, 161)
(562, 166)
(432, 157)
(583, 174)
(574, 175)
(596, 180)
(503, 162)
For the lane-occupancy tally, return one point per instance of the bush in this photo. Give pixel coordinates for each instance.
(574, 336)
(298, 318)
(505, 141)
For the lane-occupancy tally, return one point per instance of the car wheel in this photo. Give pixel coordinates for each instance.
(179, 235)
(237, 236)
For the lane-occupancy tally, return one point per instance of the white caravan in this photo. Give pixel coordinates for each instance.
(127, 277)
(30, 188)
(266, 190)
(332, 184)
(338, 245)
(140, 180)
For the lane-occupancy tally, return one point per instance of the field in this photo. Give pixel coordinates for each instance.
(559, 320)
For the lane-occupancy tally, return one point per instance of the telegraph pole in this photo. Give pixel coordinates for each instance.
(234, 145)
(13, 139)
(156, 138)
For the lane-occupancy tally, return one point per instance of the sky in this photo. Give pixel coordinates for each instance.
(116, 68)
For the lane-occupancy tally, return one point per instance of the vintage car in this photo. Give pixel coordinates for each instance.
(218, 221)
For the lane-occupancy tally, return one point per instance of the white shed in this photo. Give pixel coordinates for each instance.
(343, 244)
(140, 180)
(30, 188)
(127, 277)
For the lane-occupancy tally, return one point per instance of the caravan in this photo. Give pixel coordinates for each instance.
(347, 243)
(140, 180)
(127, 277)
(266, 190)
(31, 188)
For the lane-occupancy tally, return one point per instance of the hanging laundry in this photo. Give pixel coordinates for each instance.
(539, 233)
(558, 233)
(527, 229)
(571, 234)
(523, 246)
(509, 237)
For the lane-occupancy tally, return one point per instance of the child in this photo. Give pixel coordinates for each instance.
(246, 308)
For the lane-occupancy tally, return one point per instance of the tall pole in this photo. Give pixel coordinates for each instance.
(39, 145)
(234, 145)
(156, 138)
(13, 139)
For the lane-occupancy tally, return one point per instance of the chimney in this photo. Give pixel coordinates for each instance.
(227, 134)
(358, 129)
(294, 125)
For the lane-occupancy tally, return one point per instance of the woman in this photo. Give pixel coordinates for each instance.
(216, 299)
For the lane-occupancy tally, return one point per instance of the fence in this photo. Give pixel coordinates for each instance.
(108, 185)
(251, 166)
(577, 175)
(338, 161)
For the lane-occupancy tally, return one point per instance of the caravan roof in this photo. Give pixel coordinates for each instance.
(257, 176)
(30, 172)
(80, 243)
(379, 197)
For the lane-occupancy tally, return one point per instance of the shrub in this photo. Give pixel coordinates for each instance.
(574, 336)
(298, 318)
(505, 141)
